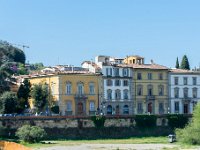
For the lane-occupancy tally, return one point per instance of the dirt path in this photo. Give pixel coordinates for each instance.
(111, 147)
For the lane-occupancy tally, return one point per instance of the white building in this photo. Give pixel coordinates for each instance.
(117, 85)
(184, 90)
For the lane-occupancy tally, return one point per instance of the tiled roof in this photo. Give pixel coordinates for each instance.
(182, 71)
(146, 66)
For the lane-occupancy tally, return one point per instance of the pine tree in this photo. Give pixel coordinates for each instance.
(185, 63)
(177, 63)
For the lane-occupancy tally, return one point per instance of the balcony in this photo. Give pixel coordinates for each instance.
(80, 96)
(186, 99)
(150, 98)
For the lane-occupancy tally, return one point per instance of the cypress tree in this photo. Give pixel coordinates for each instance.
(177, 63)
(185, 63)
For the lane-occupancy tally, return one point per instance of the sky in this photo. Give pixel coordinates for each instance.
(72, 31)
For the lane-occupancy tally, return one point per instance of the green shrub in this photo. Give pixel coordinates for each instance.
(145, 121)
(30, 134)
(177, 120)
(55, 109)
(98, 121)
(191, 133)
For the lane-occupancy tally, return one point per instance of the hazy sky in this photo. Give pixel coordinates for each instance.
(71, 31)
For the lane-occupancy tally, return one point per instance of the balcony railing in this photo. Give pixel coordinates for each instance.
(80, 96)
(150, 97)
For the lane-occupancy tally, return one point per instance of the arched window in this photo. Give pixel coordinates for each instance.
(117, 94)
(160, 90)
(176, 92)
(109, 94)
(68, 88)
(139, 90)
(80, 88)
(185, 92)
(125, 94)
(91, 88)
(150, 90)
(109, 110)
(125, 109)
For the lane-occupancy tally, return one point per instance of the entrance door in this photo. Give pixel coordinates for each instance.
(150, 108)
(80, 109)
(185, 109)
(117, 110)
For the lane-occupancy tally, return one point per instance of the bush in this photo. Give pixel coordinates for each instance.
(191, 133)
(55, 109)
(98, 121)
(145, 121)
(31, 134)
(177, 121)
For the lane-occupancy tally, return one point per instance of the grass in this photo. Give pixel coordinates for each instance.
(135, 140)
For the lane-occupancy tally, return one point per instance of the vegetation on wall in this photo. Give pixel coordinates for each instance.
(98, 121)
(145, 121)
(55, 109)
(177, 120)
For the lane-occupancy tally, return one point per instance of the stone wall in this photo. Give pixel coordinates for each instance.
(65, 122)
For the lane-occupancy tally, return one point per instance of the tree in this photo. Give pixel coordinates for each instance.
(190, 134)
(177, 63)
(40, 96)
(8, 101)
(31, 134)
(23, 95)
(185, 63)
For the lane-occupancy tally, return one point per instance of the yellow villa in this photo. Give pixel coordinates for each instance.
(150, 84)
(75, 92)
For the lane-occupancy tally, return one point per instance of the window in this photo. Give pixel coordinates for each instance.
(160, 90)
(109, 110)
(69, 106)
(149, 76)
(117, 94)
(92, 106)
(68, 88)
(125, 110)
(125, 72)
(109, 71)
(194, 80)
(139, 107)
(109, 82)
(109, 94)
(125, 82)
(194, 92)
(161, 108)
(52, 88)
(160, 76)
(125, 94)
(116, 71)
(185, 92)
(80, 88)
(117, 82)
(176, 80)
(176, 92)
(150, 90)
(139, 76)
(176, 107)
(91, 87)
(185, 80)
(139, 90)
